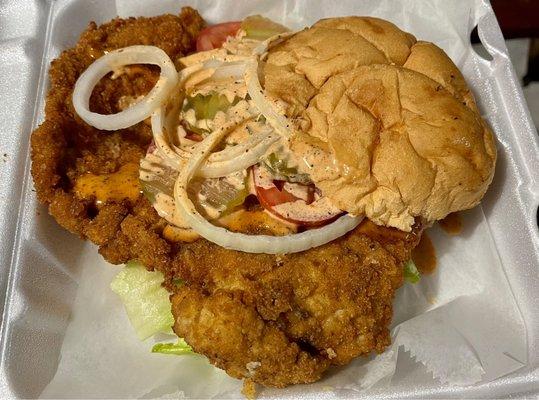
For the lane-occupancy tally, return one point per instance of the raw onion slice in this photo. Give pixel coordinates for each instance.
(238, 149)
(239, 241)
(225, 162)
(118, 58)
(240, 157)
(274, 118)
(226, 70)
(172, 155)
(257, 93)
(201, 56)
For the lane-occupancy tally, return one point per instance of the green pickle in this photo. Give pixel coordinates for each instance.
(279, 167)
(259, 28)
(206, 106)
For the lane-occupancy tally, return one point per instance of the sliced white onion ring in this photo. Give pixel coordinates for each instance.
(234, 151)
(274, 118)
(239, 241)
(171, 156)
(243, 160)
(225, 162)
(201, 56)
(229, 70)
(257, 93)
(118, 58)
(212, 61)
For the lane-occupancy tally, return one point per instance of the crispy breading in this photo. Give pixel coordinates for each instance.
(65, 148)
(291, 316)
(276, 320)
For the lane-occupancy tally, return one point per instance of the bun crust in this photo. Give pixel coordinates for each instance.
(386, 126)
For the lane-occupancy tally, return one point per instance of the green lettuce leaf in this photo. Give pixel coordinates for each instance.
(180, 348)
(146, 301)
(411, 273)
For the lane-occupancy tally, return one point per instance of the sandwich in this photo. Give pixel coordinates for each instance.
(266, 190)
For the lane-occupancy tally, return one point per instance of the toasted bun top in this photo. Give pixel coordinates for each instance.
(385, 125)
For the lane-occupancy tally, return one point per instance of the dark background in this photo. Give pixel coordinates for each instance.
(520, 19)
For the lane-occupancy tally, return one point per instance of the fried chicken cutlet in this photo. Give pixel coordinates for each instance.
(277, 320)
(285, 320)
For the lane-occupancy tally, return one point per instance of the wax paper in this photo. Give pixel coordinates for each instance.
(458, 326)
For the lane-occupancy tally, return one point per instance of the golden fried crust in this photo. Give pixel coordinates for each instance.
(65, 148)
(235, 338)
(293, 316)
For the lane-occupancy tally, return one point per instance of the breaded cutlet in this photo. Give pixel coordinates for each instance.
(275, 320)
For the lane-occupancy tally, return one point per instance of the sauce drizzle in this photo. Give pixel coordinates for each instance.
(256, 222)
(117, 186)
(424, 255)
(452, 224)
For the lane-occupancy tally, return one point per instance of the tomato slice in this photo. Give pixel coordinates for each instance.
(214, 36)
(272, 194)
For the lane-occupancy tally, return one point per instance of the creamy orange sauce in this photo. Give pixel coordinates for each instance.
(452, 224)
(255, 222)
(424, 255)
(117, 186)
(249, 222)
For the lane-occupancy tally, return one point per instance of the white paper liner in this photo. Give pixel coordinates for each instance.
(461, 325)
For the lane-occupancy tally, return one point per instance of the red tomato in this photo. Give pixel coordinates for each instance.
(214, 36)
(272, 193)
(273, 196)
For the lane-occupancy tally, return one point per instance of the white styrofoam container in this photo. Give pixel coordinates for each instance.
(38, 259)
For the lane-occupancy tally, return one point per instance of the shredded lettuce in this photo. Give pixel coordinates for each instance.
(411, 273)
(180, 348)
(146, 301)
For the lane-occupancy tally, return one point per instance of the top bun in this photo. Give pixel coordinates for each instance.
(385, 125)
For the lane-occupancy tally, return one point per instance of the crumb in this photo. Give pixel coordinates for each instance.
(331, 353)
(249, 389)
(252, 366)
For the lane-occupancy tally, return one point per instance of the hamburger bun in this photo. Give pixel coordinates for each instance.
(385, 125)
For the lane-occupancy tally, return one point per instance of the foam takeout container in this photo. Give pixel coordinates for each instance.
(40, 263)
